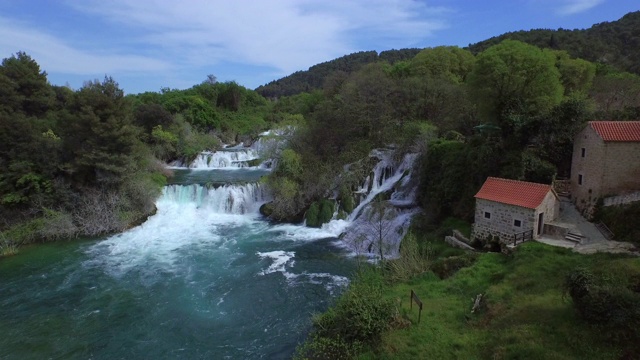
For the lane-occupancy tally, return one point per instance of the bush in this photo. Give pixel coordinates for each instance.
(326, 212)
(621, 219)
(358, 318)
(346, 200)
(312, 215)
(320, 212)
(318, 347)
(613, 308)
(410, 263)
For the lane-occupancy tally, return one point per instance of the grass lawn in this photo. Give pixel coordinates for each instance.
(524, 316)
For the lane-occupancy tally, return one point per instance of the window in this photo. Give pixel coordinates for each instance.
(517, 223)
(487, 215)
(584, 151)
(579, 179)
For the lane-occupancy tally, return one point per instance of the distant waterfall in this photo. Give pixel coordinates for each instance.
(227, 199)
(220, 159)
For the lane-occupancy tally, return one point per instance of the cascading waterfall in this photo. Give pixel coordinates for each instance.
(371, 225)
(224, 159)
(226, 199)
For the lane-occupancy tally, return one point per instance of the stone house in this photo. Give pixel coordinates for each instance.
(605, 163)
(507, 208)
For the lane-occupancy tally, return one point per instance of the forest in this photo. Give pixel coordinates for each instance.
(87, 162)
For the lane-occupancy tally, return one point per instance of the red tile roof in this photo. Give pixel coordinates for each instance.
(626, 131)
(513, 192)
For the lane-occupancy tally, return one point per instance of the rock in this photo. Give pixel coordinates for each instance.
(266, 209)
(246, 140)
(457, 243)
(458, 235)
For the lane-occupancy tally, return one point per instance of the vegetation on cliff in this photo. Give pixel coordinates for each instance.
(89, 162)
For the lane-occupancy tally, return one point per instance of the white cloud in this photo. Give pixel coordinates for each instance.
(571, 7)
(55, 55)
(286, 35)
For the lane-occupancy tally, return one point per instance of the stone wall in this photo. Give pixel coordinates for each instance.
(607, 169)
(550, 206)
(590, 167)
(622, 199)
(501, 223)
(622, 168)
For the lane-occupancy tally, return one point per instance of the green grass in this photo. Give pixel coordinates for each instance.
(524, 316)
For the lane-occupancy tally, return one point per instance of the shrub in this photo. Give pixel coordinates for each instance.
(318, 347)
(613, 308)
(346, 200)
(358, 318)
(621, 219)
(312, 215)
(410, 263)
(326, 212)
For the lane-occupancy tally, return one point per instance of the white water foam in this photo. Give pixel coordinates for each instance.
(226, 199)
(283, 260)
(280, 259)
(329, 281)
(229, 159)
(186, 216)
(304, 233)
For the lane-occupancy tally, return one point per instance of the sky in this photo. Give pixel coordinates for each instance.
(146, 45)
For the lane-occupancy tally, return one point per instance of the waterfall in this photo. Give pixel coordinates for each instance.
(224, 159)
(227, 199)
(384, 177)
(362, 229)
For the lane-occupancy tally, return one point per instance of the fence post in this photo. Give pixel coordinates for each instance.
(415, 298)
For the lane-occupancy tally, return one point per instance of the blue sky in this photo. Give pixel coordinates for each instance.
(149, 44)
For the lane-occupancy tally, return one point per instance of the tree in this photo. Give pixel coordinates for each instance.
(449, 62)
(380, 220)
(148, 116)
(101, 140)
(23, 87)
(614, 92)
(211, 80)
(365, 101)
(576, 74)
(513, 77)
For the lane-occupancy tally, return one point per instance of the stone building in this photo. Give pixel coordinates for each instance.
(605, 163)
(510, 208)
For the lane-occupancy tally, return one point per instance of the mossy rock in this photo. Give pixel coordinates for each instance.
(320, 212)
(266, 209)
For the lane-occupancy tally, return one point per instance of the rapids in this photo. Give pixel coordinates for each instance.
(206, 277)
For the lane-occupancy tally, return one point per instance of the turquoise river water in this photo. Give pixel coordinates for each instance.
(205, 278)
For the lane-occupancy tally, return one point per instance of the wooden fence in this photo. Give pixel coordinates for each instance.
(522, 237)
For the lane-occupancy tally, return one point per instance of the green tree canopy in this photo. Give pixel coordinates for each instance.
(514, 76)
(449, 62)
(576, 74)
(23, 87)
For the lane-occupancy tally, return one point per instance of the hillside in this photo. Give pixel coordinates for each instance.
(615, 43)
(314, 78)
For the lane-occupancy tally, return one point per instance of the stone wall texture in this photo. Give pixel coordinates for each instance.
(622, 199)
(607, 169)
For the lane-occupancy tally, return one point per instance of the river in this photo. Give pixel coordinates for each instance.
(206, 277)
